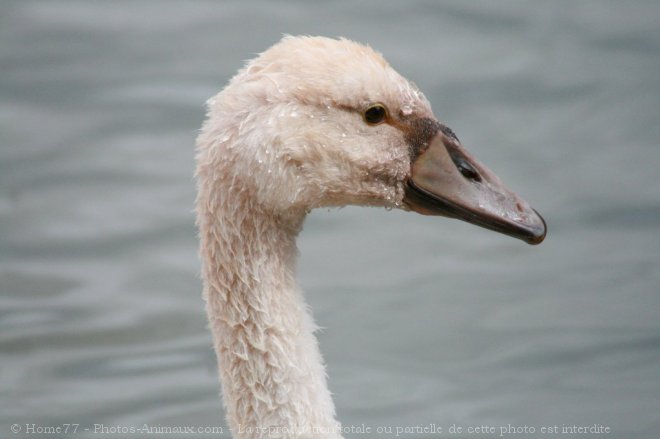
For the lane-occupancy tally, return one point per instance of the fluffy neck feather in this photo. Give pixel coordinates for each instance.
(270, 365)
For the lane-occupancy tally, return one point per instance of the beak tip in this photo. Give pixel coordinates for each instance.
(537, 236)
(536, 240)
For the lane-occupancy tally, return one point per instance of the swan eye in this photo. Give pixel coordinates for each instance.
(375, 114)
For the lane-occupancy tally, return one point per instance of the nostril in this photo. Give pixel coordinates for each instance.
(468, 171)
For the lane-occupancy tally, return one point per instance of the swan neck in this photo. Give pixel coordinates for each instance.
(272, 373)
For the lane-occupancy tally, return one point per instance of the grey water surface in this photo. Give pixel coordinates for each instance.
(428, 321)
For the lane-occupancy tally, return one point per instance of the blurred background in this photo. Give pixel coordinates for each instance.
(427, 320)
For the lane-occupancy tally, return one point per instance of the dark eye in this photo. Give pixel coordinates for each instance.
(375, 114)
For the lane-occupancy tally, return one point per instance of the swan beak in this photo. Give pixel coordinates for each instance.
(447, 180)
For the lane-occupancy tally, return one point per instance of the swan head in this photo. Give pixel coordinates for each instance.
(320, 122)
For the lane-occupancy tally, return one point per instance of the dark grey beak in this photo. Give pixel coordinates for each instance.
(446, 180)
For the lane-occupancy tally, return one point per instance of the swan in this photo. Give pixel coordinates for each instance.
(313, 122)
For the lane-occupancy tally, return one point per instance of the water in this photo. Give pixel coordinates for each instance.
(428, 320)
